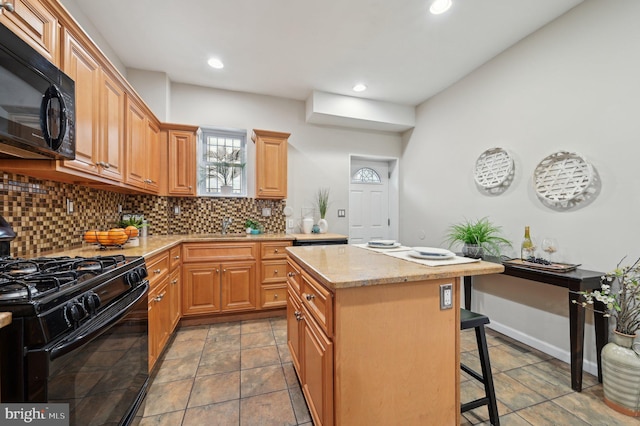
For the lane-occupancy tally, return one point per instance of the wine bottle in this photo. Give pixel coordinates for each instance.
(527, 249)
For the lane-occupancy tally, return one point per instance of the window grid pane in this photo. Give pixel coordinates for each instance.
(222, 164)
(366, 175)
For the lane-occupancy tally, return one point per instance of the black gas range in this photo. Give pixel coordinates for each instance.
(78, 334)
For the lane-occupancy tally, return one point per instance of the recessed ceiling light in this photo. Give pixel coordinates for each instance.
(215, 63)
(440, 6)
(359, 87)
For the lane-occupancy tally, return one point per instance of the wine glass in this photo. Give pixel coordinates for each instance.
(549, 246)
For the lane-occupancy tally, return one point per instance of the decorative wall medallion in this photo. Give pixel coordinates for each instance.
(494, 170)
(563, 178)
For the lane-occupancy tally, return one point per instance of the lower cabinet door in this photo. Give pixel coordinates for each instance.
(238, 286)
(200, 288)
(317, 367)
(294, 326)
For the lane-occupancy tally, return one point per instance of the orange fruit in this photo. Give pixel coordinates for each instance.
(103, 238)
(91, 236)
(131, 231)
(117, 236)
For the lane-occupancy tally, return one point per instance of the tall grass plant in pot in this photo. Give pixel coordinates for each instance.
(478, 238)
(322, 199)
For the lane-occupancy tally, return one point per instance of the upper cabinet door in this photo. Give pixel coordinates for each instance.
(182, 162)
(85, 71)
(271, 163)
(36, 25)
(112, 112)
(136, 173)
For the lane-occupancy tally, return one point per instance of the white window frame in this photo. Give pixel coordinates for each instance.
(230, 138)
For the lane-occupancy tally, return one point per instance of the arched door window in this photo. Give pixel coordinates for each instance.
(366, 175)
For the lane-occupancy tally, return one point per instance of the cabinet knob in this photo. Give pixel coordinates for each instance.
(275, 272)
(224, 270)
(106, 165)
(291, 274)
(190, 187)
(174, 282)
(275, 296)
(160, 297)
(217, 271)
(156, 271)
(176, 257)
(310, 297)
(7, 6)
(275, 251)
(298, 315)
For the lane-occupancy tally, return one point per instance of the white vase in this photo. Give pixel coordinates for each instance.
(307, 225)
(226, 189)
(323, 225)
(621, 375)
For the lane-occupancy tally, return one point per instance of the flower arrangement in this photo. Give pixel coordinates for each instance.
(620, 293)
(323, 201)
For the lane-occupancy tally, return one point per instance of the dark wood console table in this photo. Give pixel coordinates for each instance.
(574, 281)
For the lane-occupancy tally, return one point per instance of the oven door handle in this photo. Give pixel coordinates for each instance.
(107, 319)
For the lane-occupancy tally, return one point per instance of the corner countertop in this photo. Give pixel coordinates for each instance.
(345, 266)
(5, 319)
(150, 246)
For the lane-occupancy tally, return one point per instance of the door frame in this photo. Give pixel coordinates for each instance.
(394, 189)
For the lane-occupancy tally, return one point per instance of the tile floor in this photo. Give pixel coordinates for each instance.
(240, 373)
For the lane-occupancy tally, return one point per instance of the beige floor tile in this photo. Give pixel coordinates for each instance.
(166, 419)
(278, 322)
(219, 362)
(473, 390)
(254, 340)
(511, 419)
(167, 397)
(261, 380)
(255, 326)
(280, 335)
(224, 329)
(259, 357)
(222, 343)
(184, 348)
(177, 369)
(514, 394)
(300, 408)
(285, 354)
(270, 409)
(550, 414)
(222, 414)
(290, 375)
(543, 382)
(214, 389)
(198, 332)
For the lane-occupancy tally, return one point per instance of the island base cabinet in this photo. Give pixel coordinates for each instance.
(294, 327)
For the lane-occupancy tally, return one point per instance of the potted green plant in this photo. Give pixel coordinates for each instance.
(477, 237)
(620, 295)
(252, 226)
(322, 199)
(226, 165)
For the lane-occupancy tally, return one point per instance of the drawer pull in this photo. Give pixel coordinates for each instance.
(275, 251)
(275, 272)
(310, 297)
(174, 282)
(157, 271)
(298, 315)
(291, 274)
(159, 297)
(275, 296)
(176, 257)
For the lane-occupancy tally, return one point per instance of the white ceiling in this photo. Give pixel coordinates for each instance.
(288, 48)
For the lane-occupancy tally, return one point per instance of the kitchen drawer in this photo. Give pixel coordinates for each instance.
(157, 268)
(318, 301)
(218, 252)
(275, 250)
(293, 276)
(274, 271)
(273, 296)
(175, 257)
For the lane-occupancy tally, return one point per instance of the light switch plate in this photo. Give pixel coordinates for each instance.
(341, 213)
(266, 211)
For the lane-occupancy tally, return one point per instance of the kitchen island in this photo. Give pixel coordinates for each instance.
(368, 338)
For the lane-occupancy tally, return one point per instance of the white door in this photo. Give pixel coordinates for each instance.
(368, 201)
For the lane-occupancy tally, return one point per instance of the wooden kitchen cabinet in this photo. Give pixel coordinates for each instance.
(36, 24)
(271, 164)
(312, 355)
(142, 148)
(181, 143)
(273, 274)
(219, 277)
(175, 286)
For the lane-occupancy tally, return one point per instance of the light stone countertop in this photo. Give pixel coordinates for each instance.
(150, 246)
(345, 266)
(5, 319)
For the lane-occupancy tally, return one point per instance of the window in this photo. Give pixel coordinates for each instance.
(365, 175)
(221, 162)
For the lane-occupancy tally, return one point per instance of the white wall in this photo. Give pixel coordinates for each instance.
(575, 86)
(318, 155)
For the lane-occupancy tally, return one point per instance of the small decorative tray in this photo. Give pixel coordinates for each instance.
(554, 267)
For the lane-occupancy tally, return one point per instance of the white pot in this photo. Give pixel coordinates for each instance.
(323, 225)
(307, 225)
(226, 189)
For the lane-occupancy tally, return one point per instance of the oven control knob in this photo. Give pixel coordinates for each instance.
(135, 277)
(74, 313)
(91, 302)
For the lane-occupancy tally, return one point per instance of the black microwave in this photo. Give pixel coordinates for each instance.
(37, 103)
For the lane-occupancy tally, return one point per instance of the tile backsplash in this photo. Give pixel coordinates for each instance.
(37, 211)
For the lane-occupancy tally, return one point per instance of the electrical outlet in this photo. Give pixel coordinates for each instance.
(69, 206)
(266, 212)
(446, 296)
(289, 223)
(176, 209)
(341, 213)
